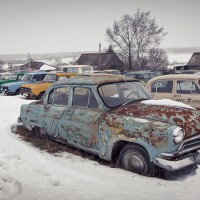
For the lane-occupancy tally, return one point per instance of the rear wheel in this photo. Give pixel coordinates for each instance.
(134, 158)
(40, 95)
(40, 132)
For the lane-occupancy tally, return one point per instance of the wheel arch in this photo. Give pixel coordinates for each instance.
(40, 95)
(118, 146)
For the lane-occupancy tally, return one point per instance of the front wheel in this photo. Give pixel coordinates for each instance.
(134, 158)
(17, 92)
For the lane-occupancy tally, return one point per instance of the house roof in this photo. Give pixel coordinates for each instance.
(33, 64)
(107, 59)
(194, 60)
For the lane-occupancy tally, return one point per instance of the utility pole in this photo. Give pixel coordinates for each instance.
(99, 54)
(29, 61)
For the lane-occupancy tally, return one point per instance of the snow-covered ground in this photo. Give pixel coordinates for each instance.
(27, 173)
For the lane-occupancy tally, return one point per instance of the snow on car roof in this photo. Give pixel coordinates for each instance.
(167, 102)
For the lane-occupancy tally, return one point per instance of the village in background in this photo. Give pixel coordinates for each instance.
(15, 62)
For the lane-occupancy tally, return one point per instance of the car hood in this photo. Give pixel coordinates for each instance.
(37, 85)
(188, 119)
(14, 84)
(3, 82)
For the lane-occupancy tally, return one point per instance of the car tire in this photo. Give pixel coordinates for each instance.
(42, 133)
(40, 95)
(134, 158)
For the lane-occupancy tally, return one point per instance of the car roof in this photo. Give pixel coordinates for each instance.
(63, 73)
(140, 72)
(96, 79)
(111, 70)
(33, 73)
(176, 76)
(76, 66)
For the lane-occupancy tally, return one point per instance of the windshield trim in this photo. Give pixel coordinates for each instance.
(125, 81)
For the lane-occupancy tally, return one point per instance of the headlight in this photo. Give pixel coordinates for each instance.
(178, 135)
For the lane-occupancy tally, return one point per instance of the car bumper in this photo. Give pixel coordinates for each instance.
(175, 165)
(29, 95)
(3, 92)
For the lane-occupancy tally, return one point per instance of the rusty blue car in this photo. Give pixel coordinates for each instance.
(107, 116)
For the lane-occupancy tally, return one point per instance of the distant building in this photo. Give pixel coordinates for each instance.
(33, 65)
(101, 61)
(194, 62)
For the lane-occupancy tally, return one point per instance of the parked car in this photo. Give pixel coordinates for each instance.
(109, 116)
(94, 72)
(4, 75)
(12, 77)
(190, 71)
(14, 88)
(112, 71)
(143, 76)
(184, 88)
(78, 69)
(37, 90)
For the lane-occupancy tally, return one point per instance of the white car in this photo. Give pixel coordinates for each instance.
(184, 88)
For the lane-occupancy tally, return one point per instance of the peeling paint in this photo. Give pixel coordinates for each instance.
(98, 130)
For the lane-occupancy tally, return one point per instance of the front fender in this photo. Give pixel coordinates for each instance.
(155, 137)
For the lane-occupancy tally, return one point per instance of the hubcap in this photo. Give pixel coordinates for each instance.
(135, 163)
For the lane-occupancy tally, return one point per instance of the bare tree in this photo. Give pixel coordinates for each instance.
(1, 64)
(157, 59)
(110, 49)
(135, 35)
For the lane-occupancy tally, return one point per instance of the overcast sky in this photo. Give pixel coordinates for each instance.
(45, 26)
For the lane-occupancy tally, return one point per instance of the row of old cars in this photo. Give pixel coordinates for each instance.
(115, 118)
(31, 85)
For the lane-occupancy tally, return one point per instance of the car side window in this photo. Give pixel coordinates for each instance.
(145, 76)
(13, 76)
(187, 87)
(39, 77)
(162, 87)
(84, 97)
(59, 96)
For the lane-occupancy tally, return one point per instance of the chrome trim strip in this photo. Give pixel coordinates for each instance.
(196, 137)
(179, 153)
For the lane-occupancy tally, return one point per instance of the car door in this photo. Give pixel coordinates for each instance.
(162, 89)
(54, 109)
(82, 119)
(188, 92)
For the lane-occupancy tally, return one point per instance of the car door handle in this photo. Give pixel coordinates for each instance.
(177, 95)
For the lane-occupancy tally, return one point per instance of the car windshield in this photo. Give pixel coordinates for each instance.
(117, 94)
(50, 78)
(26, 77)
(4, 76)
(12, 77)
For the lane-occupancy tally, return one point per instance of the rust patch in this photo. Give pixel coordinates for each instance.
(188, 119)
